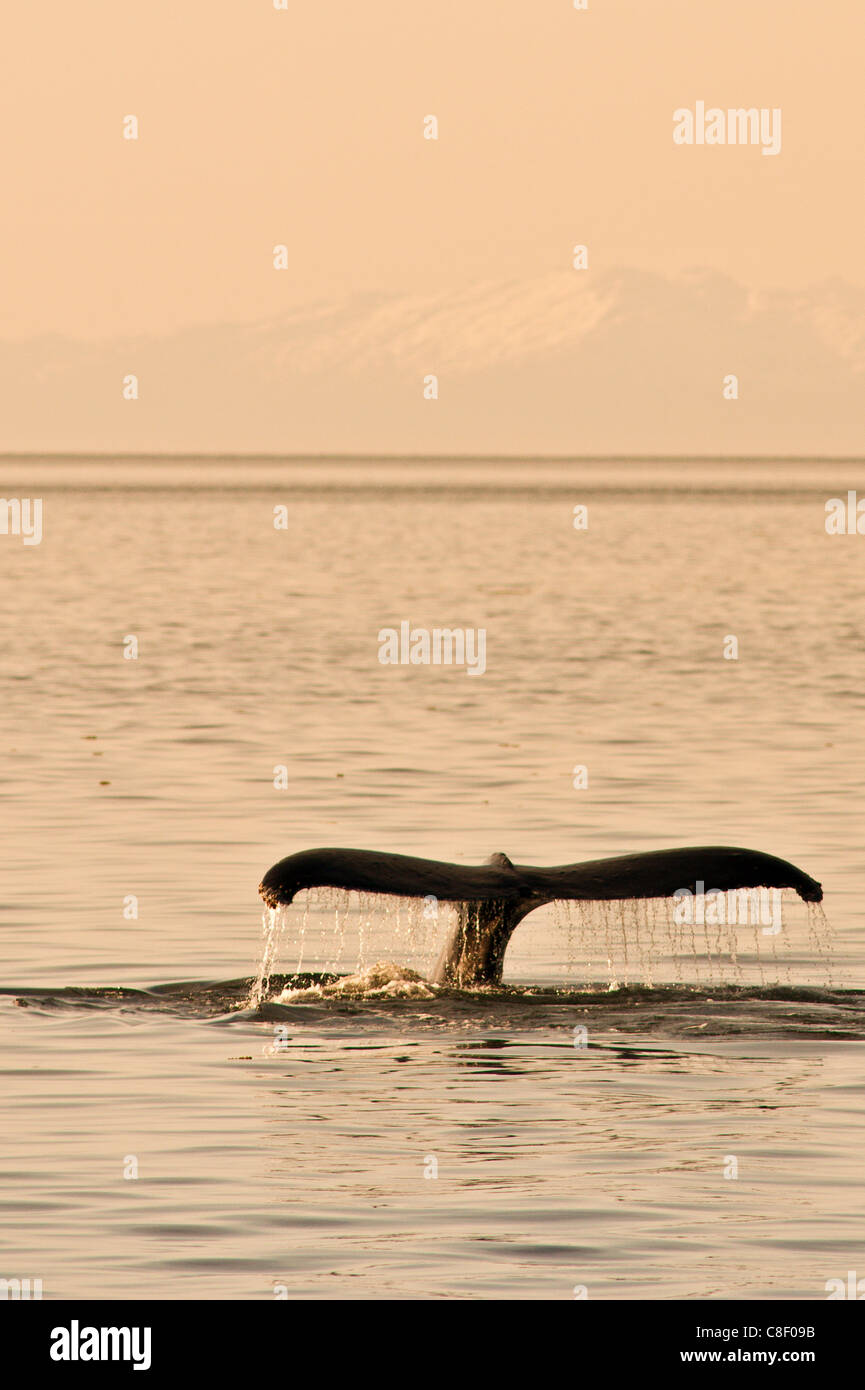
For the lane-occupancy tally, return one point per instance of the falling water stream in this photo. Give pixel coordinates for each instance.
(610, 944)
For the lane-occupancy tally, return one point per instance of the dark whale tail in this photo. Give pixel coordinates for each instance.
(494, 897)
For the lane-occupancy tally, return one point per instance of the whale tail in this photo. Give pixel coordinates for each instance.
(493, 898)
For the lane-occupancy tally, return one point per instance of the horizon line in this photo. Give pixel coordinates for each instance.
(104, 456)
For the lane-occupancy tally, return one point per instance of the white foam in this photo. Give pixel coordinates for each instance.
(383, 980)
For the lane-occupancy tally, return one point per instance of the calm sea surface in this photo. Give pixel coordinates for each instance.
(702, 1138)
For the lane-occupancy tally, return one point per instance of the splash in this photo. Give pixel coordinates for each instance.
(338, 927)
(611, 944)
(384, 980)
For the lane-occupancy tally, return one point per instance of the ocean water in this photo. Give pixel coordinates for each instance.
(639, 1111)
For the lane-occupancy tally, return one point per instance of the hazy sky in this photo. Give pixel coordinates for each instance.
(410, 256)
(304, 126)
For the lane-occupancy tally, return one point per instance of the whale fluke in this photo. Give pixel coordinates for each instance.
(493, 898)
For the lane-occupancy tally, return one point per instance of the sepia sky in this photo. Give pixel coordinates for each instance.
(304, 126)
